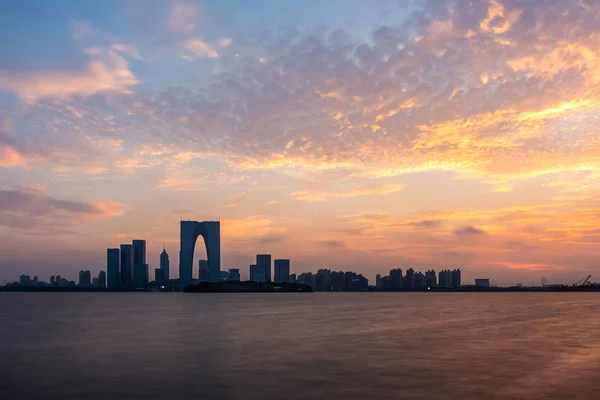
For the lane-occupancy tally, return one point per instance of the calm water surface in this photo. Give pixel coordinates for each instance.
(300, 346)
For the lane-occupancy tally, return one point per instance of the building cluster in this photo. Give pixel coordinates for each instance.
(261, 271)
(232, 274)
(85, 281)
(325, 279)
(126, 266)
(418, 280)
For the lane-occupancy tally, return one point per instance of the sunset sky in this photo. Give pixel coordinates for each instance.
(357, 135)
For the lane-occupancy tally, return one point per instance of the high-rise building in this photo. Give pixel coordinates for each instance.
(409, 278)
(95, 282)
(113, 274)
(419, 281)
(102, 279)
(282, 271)
(292, 278)
(455, 278)
(189, 232)
(234, 275)
(323, 279)
(264, 261)
(445, 278)
(307, 278)
(24, 280)
(140, 268)
(338, 280)
(85, 278)
(257, 274)
(203, 271)
(223, 275)
(430, 279)
(396, 280)
(356, 281)
(378, 281)
(164, 265)
(159, 276)
(127, 266)
(140, 276)
(52, 280)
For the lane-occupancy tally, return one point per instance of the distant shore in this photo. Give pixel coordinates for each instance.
(247, 287)
(255, 287)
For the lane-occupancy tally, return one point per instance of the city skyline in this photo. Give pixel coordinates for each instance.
(348, 135)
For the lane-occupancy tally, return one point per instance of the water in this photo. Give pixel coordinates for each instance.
(300, 346)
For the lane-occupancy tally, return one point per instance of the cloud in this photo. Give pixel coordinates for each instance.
(225, 42)
(426, 223)
(334, 243)
(311, 195)
(469, 231)
(30, 209)
(9, 157)
(199, 48)
(456, 88)
(255, 227)
(272, 238)
(106, 72)
(182, 17)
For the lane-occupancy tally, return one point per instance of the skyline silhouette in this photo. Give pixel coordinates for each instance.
(350, 135)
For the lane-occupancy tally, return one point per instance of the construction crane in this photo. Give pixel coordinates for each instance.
(583, 282)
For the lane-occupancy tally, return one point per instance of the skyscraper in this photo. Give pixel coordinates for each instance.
(455, 278)
(264, 261)
(102, 279)
(233, 275)
(112, 268)
(140, 276)
(445, 278)
(409, 278)
(396, 280)
(419, 281)
(203, 271)
(189, 232)
(159, 276)
(164, 265)
(257, 274)
(140, 268)
(282, 271)
(323, 279)
(338, 279)
(307, 278)
(127, 266)
(85, 278)
(430, 279)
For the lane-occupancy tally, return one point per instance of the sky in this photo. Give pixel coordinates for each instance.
(343, 134)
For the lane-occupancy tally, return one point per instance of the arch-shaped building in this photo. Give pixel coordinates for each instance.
(189, 232)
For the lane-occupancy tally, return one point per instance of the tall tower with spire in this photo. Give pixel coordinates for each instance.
(164, 263)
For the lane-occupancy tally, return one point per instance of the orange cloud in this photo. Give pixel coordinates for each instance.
(249, 228)
(313, 195)
(107, 72)
(108, 208)
(9, 157)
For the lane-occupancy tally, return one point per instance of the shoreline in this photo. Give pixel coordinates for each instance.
(567, 289)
